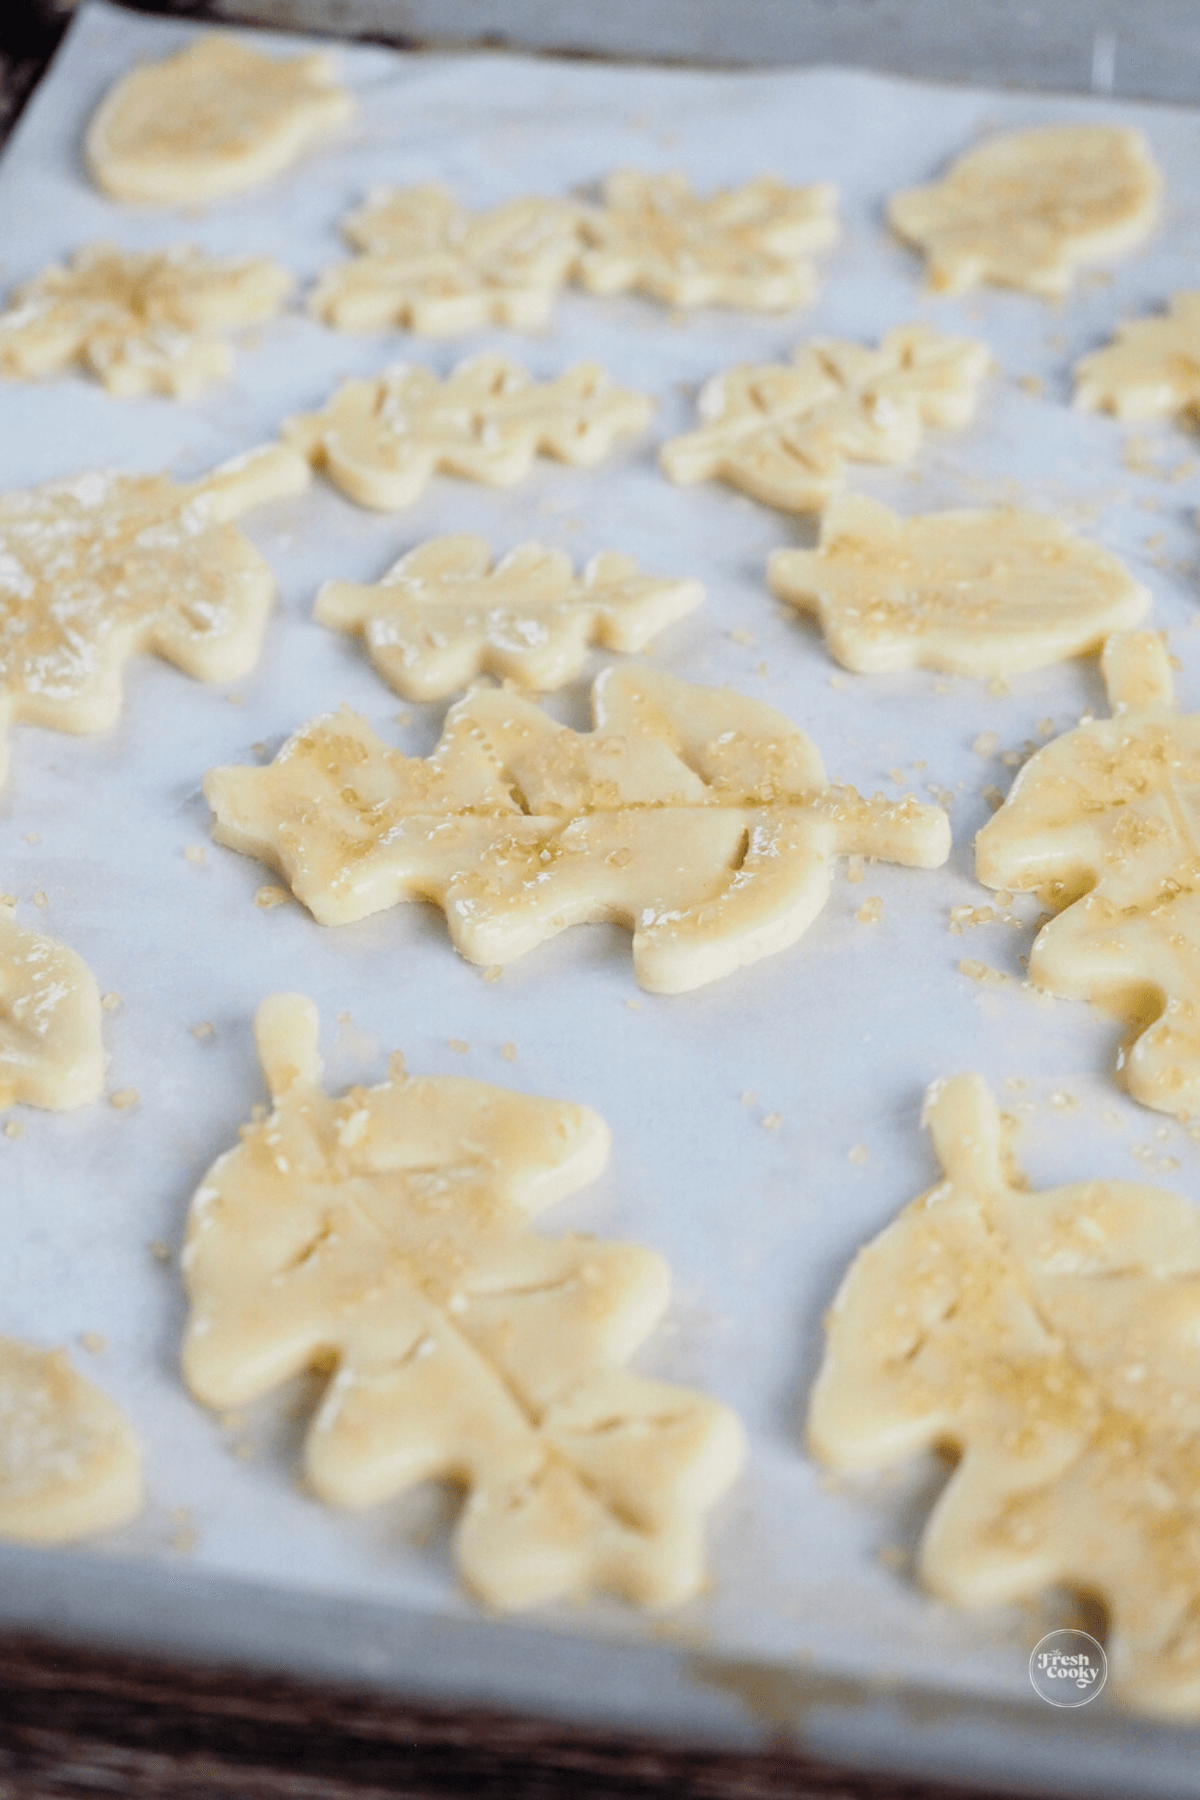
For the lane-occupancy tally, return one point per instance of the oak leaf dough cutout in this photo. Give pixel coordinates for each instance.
(1151, 370)
(443, 614)
(1102, 824)
(701, 820)
(380, 439)
(51, 1052)
(783, 433)
(99, 567)
(971, 593)
(1026, 209)
(209, 121)
(144, 322)
(746, 246)
(431, 265)
(386, 1236)
(1050, 1339)
(70, 1463)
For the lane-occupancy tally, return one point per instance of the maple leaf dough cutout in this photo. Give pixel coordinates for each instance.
(1151, 370)
(700, 819)
(973, 593)
(1024, 210)
(380, 439)
(70, 1463)
(209, 121)
(99, 567)
(746, 246)
(443, 614)
(1102, 822)
(783, 433)
(1050, 1338)
(386, 1235)
(50, 1049)
(430, 264)
(145, 322)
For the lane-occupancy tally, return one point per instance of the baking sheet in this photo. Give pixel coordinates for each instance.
(812, 1617)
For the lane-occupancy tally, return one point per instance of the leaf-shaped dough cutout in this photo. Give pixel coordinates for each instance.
(1104, 822)
(70, 1463)
(380, 439)
(102, 566)
(385, 1235)
(51, 1053)
(783, 433)
(431, 265)
(1051, 1339)
(213, 119)
(443, 614)
(973, 593)
(746, 246)
(1151, 370)
(700, 819)
(145, 322)
(1026, 209)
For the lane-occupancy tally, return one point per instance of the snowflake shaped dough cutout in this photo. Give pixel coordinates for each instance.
(1051, 1339)
(1024, 210)
(50, 1049)
(1151, 370)
(698, 818)
(145, 322)
(70, 1463)
(212, 120)
(443, 614)
(101, 566)
(387, 1234)
(1103, 824)
(379, 440)
(971, 593)
(746, 246)
(431, 265)
(783, 433)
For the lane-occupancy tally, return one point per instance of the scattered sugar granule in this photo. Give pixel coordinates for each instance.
(33, 837)
(998, 685)
(871, 910)
(1062, 1102)
(14, 1129)
(458, 1046)
(111, 1002)
(855, 868)
(123, 1099)
(838, 683)
(205, 1029)
(509, 1052)
(740, 636)
(41, 898)
(858, 1154)
(987, 743)
(94, 1342)
(493, 973)
(993, 796)
(267, 897)
(772, 1121)
(978, 971)
(748, 1097)
(195, 853)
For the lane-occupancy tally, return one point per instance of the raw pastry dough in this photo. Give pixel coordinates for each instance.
(50, 1049)
(744, 246)
(1151, 370)
(97, 568)
(443, 614)
(1051, 1339)
(209, 121)
(698, 818)
(1102, 822)
(381, 439)
(69, 1461)
(145, 322)
(431, 265)
(1025, 209)
(974, 593)
(784, 433)
(386, 1236)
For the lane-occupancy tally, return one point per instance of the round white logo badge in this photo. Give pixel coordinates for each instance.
(1068, 1668)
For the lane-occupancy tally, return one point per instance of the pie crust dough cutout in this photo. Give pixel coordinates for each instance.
(1026, 209)
(51, 1052)
(1102, 824)
(385, 1237)
(1151, 370)
(701, 820)
(70, 1463)
(213, 119)
(1050, 1338)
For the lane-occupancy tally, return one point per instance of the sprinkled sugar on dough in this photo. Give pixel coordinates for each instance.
(443, 614)
(1051, 1339)
(50, 1049)
(1151, 370)
(102, 566)
(69, 1461)
(1025, 210)
(700, 819)
(213, 119)
(144, 322)
(971, 593)
(387, 1234)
